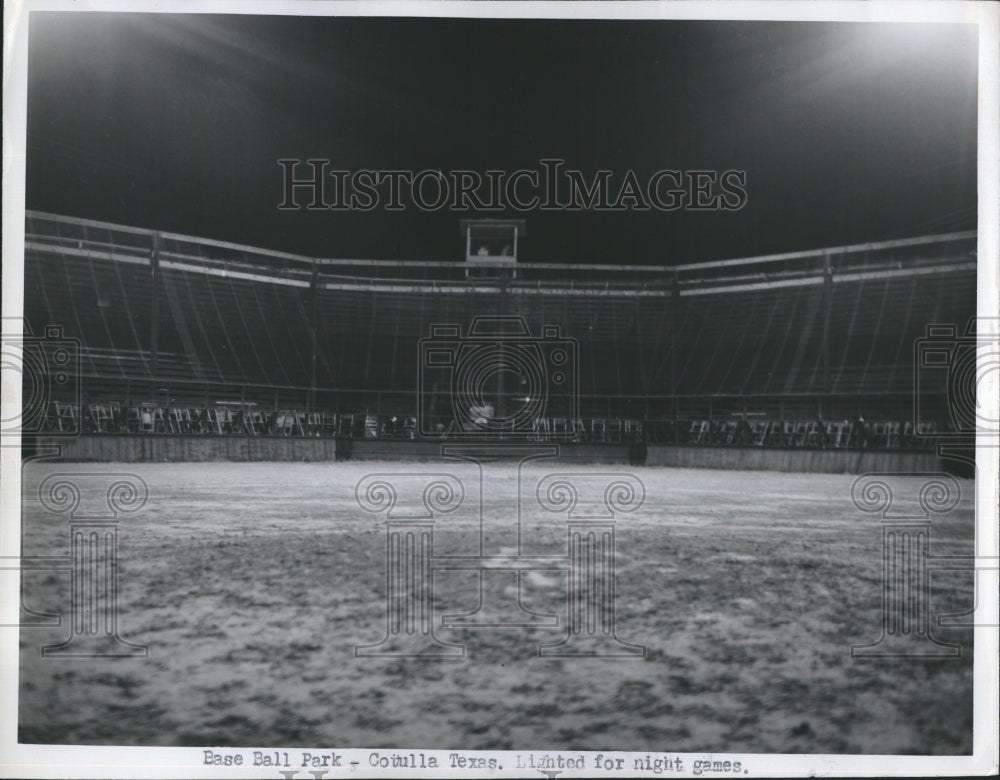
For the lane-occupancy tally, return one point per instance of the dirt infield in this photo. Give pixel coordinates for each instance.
(252, 584)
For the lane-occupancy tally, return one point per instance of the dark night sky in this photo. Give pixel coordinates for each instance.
(847, 132)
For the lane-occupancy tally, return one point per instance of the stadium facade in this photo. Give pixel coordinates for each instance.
(168, 337)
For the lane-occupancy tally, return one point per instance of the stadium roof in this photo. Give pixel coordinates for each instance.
(904, 257)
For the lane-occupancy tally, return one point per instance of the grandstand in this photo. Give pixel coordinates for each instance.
(192, 336)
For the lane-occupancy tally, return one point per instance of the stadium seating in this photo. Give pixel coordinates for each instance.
(332, 347)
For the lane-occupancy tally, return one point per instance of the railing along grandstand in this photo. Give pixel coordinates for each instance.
(242, 420)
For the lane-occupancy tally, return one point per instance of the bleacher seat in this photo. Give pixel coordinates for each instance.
(67, 417)
(539, 429)
(100, 418)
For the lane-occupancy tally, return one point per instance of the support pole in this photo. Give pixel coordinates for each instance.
(313, 337)
(154, 308)
(827, 308)
(674, 325)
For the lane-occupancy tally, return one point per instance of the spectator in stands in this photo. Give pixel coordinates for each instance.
(822, 432)
(861, 439)
(744, 433)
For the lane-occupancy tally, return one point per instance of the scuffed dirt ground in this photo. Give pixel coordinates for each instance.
(253, 583)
